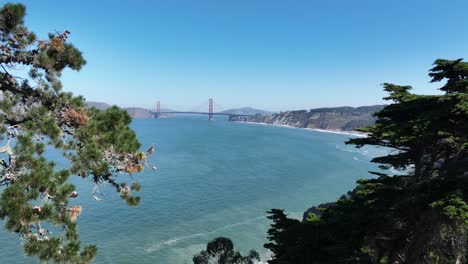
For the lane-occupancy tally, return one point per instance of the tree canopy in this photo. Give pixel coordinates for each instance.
(37, 116)
(417, 216)
(221, 251)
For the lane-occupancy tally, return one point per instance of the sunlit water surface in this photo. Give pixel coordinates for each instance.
(214, 179)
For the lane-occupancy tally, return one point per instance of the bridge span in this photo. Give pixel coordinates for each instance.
(161, 114)
(210, 112)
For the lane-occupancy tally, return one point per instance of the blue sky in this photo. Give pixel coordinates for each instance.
(270, 54)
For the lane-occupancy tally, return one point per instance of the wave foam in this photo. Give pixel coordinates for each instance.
(349, 133)
(348, 150)
(342, 132)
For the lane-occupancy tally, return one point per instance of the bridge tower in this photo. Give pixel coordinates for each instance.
(210, 109)
(158, 109)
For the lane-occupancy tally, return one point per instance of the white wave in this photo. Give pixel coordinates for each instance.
(359, 151)
(349, 150)
(349, 133)
(175, 240)
(265, 257)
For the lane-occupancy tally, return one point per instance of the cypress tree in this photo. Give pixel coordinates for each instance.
(36, 115)
(221, 251)
(417, 216)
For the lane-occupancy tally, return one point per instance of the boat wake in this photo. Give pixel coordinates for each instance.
(175, 240)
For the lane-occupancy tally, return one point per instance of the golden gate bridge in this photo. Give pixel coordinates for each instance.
(210, 111)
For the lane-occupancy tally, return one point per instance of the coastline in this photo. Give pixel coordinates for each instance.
(333, 131)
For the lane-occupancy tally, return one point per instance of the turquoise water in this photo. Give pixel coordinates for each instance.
(213, 179)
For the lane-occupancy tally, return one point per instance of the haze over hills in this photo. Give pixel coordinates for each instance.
(333, 118)
(98, 105)
(247, 111)
(134, 112)
(139, 112)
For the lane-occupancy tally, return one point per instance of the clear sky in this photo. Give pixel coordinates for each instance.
(270, 54)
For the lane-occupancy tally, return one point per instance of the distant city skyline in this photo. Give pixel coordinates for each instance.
(272, 55)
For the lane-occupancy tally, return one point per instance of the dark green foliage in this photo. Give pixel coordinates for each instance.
(455, 73)
(35, 113)
(11, 16)
(221, 251)
(419, 216)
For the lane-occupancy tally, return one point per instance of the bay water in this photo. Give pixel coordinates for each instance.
(213, 179)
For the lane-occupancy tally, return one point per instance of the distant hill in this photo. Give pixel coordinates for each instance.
(98, 105)
(134, 112)
(137, 112)
(247, 111)
(333, 118)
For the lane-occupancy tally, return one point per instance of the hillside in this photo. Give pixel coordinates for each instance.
(137, 112)
(98, 105)
(247, 111)
(335, 118)
(134, 112)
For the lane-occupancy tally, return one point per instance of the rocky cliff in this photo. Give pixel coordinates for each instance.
(336, 118)
(316, 210)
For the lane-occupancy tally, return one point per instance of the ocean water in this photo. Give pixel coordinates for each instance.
(214, 179)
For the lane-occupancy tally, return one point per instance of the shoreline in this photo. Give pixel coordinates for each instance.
(333, 131)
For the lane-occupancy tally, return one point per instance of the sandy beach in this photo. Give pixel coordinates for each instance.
(343, 132)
